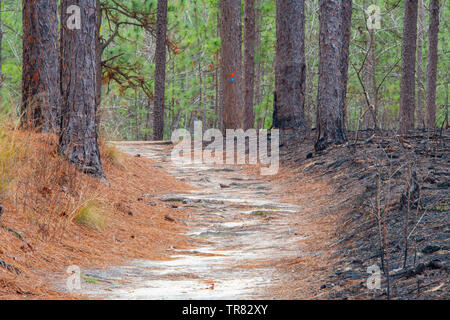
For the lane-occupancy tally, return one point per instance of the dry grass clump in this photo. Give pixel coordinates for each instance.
(112, 154)
(48, 189)
(12, 151)
(91, 215)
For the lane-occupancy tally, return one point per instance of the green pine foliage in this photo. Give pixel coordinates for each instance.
(193, 58)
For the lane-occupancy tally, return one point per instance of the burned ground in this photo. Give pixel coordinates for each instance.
(371, 196)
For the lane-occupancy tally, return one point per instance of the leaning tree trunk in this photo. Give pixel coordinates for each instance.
(290, 67)
(78, 138)
(407, 85)
(249, 63)
(335, 22)
(432, 64)
(160, 71)
(230, 64)
(40, 74)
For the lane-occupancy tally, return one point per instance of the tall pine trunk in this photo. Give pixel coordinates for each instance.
(432, 64)
(420, 117)
(335, 22)
(78, 138)
(231, 63)
(40, 73)
(407, 86)
(160, 71)
(249, 63)
(290, 67)
(258, 71)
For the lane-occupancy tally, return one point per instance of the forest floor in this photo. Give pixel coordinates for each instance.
(40, 237)
(357, 200)
(310, 232)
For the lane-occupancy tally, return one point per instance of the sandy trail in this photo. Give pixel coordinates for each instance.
(242, 222)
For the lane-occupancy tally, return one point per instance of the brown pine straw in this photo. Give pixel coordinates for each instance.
(43, 200)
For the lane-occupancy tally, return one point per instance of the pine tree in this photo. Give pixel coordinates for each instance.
(40, 72)
(78, 138)
(290, 67)
(407, 85)
(249, 63)
(160, 71)
(433, 39)
(231, 63)
(335, 22)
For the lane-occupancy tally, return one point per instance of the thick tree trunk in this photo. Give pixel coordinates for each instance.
(432, 64)
(231, 63)
(160, 71)
(335, 22)
(290, 68)
(420, 117)
(346, 33)
(40, 74)
(78, 138)
(249, 64)
(407, 86)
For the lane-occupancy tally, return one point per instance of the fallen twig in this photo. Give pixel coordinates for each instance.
(9, 267)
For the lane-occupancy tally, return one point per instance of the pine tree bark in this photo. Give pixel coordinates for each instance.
(98, 62)
(433, 39)
(335, 23)
(420, 117)
(231, 63)
(40, 74)
(346, 33)
(249, 64)
(78, 139)
(290, 67)
(258, 79)
(407, 85)
(160, 71)
(220, 118)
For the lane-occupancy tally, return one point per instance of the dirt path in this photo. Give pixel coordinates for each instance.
(240, 219)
